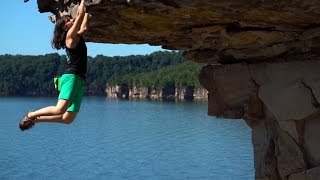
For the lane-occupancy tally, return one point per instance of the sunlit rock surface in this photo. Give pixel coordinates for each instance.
(263, 64)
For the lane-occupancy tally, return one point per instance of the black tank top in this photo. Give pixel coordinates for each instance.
(77, 59)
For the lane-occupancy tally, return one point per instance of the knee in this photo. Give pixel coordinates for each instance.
(68, 119)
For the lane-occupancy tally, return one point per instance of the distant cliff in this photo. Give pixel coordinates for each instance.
(167, 93)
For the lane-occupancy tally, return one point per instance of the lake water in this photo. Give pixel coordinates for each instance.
(114, 139)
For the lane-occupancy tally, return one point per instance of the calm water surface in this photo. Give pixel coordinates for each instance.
(112, 139)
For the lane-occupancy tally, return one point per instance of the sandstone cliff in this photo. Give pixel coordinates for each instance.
(263, 64)
(167, 93)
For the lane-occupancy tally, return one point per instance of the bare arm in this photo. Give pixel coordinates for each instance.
(84, 24)
(72, 38)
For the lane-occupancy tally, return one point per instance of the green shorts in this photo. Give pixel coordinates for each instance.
(72, 90)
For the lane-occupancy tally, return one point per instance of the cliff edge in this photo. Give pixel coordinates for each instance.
(263, 65)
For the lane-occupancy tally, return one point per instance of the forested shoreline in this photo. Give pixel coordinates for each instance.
(23, 75)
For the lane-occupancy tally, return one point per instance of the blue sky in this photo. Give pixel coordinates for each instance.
(26, 31)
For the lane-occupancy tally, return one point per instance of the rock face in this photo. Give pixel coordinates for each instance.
(263, 67)
(280, 102)
(208, 31)
(167, 93)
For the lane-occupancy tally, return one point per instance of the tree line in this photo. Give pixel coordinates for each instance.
(23, 75)
(179, 75)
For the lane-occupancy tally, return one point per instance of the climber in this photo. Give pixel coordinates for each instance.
(68, 34)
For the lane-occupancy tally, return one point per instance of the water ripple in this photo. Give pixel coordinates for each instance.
(125, 140)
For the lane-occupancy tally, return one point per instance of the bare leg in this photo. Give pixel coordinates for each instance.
(59, 109)
(66, 118)
(56, 113)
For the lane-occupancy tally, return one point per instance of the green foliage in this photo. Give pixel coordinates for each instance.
(33, 75)
(103, 69)
(28, 75)
(179, 75)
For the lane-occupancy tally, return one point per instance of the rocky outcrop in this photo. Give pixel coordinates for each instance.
(167, 93)
(208, 31)
(264, 63)
(280, 102)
